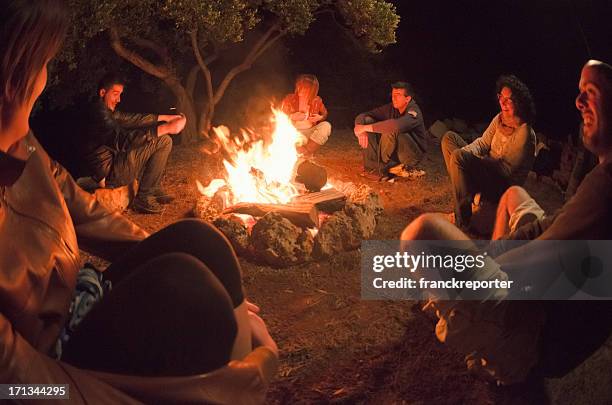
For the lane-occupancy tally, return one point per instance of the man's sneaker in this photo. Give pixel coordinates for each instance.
(406, 172)
(146, 205)
(162, 196)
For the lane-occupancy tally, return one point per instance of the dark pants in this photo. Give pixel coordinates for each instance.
(145, 164)
(389, 149)
(470, 174)
(171, 311)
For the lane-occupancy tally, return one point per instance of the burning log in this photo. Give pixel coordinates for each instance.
(303, 214)
(330, 200)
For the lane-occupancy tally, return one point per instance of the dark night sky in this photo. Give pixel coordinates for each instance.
(453, 51)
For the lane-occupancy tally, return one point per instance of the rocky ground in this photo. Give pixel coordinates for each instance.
(336, 347)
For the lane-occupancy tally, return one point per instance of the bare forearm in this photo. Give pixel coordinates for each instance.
(166, 117)
(163, 129)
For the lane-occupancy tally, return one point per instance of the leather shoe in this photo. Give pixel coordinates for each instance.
(146, 205)
(162, 196)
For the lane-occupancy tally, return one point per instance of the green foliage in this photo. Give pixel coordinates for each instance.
(372, 21)
(294, 16)
(221, 21)
(167, 23)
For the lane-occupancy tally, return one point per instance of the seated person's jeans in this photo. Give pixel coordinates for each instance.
(145, 163)
(469, 175)
(390, 148)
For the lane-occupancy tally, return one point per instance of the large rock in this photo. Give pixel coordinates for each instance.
(438, 129)
(278, 242)
(347, 228)
(363, 220)
(334, 236)
(237, 233)
(364, 196)
(459, 125)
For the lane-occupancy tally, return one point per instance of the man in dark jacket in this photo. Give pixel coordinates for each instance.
(393, 135)
(122, 147)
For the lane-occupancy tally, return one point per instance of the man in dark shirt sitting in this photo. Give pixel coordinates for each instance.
(393, 135)
(121, 147)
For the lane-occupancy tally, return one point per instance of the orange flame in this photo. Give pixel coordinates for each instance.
(258, 172)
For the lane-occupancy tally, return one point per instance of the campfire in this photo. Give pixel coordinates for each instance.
(279, 208)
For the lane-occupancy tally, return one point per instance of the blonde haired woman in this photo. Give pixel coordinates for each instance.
(308, 113)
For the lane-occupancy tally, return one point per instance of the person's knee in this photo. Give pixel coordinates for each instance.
(194, 229)
(198, 231)
(515, 194)
(365, 120)
(176, 269)
(322, 133)
(459, 157)
(448, 141)
(422, 228)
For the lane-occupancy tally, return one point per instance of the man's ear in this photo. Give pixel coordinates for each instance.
(409, 98)
(102, 93)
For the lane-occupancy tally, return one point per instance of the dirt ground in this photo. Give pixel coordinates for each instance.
(336, 347)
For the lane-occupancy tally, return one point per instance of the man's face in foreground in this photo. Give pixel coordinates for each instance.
(593, 102)
(400, 99)
(112, 96)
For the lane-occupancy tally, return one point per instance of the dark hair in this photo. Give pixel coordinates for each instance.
(408, 91)
(521, 97)
(31, 33)
(109, 79)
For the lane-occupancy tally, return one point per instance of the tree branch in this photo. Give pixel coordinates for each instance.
(192, 78)
(198, 55)
(161, 72)
(261, 44)
(160, 51)
(215, 54)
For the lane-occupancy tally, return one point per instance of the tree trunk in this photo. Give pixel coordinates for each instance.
(206, 117)
(185, 105)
